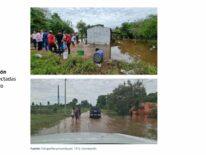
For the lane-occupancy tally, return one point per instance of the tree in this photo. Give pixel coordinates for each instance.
(75, 101)
(42, 19)
(57, 24)
(82, 28)
(38, 19)
(101, 101)
(144, 29)
(124, 96)
(48, 103)
(152, 97)
(85, 104)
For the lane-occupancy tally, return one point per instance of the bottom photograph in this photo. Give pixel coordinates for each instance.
(93, 111)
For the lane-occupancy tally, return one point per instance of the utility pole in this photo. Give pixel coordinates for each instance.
(58, 94)
(65, 95)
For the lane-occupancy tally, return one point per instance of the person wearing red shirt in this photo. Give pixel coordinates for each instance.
(51, 41)
(67, 40)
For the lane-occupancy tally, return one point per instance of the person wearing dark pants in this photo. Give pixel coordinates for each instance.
(59, 38)
(33, 37)
(67, 39)
(45, 40)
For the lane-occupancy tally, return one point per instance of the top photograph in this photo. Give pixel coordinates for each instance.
(93, 41)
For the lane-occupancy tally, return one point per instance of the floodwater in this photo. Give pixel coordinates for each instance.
(129, 50)
(126, 125)
(125, 50)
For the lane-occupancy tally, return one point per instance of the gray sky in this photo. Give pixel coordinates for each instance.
(109, 17)
(82, 89)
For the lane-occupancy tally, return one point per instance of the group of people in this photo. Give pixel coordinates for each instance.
(75, 113)
(49, 41)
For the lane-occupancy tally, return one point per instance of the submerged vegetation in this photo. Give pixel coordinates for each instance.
(50, 63)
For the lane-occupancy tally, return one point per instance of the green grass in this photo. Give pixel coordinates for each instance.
(39, 121)
(54, 64)
(84, 110)
(51, 63)
(45, 118)
(110, 113)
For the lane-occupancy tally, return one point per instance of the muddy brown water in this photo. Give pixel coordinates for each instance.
(129, 51)
(124, 50)
(131, 126)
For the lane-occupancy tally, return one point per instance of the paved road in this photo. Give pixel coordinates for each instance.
(106, 124)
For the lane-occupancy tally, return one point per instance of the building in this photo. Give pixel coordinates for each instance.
(99, 35)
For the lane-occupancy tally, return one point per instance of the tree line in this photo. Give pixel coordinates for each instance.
(125, 96)
(145, 29)
(48, 108)
(42, 19)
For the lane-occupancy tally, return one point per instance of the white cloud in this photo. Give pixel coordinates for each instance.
(110, 17)
(89, 89)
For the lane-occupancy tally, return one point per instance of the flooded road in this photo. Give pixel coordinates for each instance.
(132, 126)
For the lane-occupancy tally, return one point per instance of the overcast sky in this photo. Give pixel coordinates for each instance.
(82, 89)
(109, 17)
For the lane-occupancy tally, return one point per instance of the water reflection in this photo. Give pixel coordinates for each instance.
(116, 54)
(135, 126)
(129, 50)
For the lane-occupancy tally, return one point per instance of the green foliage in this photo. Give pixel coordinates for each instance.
(124, 96)
(152, 97)
(110, 113)
(145, 29)
(39, 121)
(53, 64)
(41, 19)
(38, 19)
(101, 101)
(85, 104)
(125, 29)
(82, 28)
(75, 101)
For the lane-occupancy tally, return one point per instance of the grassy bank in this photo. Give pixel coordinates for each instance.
(49, 63)
(39, 121)
(44, 117)
(110, 113)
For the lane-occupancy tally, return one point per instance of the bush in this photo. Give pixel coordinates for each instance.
(53, 64)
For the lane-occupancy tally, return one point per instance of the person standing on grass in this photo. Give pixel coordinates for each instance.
(77, 38)
(59, 38)
(51, 41)
(67, 40)
(33, 37)
(45, 40)
(73, 40)
(39, 39)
